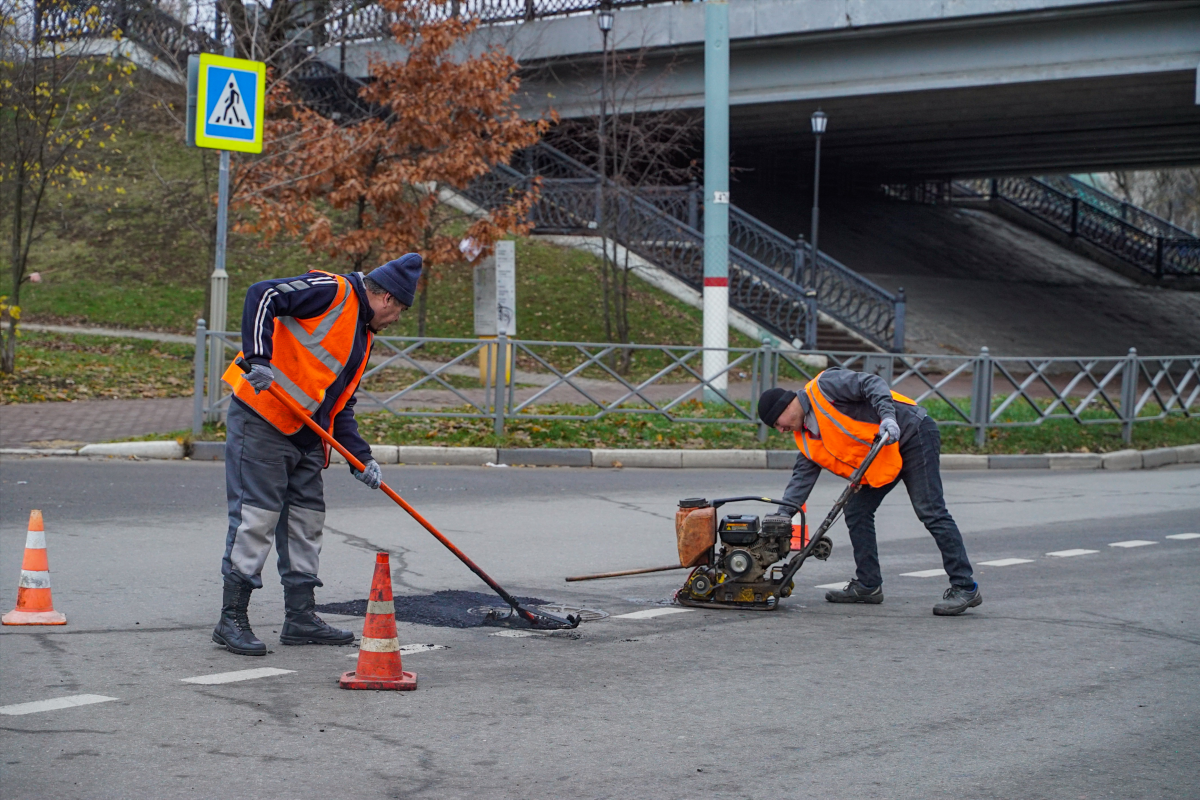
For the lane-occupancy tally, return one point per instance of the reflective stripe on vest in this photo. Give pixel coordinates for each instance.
(844, 441)
(308, 356)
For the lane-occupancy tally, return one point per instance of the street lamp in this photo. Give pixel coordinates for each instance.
(819, 121)
(605, 20)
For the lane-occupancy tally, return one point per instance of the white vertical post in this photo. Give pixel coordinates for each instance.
(716, 197)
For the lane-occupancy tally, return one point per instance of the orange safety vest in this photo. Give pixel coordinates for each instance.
(308, 355)
(845, 442)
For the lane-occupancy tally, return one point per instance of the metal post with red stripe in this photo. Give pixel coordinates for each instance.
(716, 197)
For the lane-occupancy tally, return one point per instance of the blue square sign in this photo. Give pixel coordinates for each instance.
(231, 94)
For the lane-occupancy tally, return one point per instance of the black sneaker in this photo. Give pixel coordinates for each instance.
(956, 600)
(855, 592)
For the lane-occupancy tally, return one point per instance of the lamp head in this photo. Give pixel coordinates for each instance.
(606, 18)
(818, 122)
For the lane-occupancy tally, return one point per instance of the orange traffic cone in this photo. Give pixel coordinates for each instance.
(379, 651)
(800, 532)
(34, 606)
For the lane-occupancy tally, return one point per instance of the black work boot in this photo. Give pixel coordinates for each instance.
(301, 625)
(855, 592)
(233, 631)
(956, 600)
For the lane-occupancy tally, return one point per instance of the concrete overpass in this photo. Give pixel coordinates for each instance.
(925, 88)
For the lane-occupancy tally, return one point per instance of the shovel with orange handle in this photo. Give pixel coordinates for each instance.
(535, 617)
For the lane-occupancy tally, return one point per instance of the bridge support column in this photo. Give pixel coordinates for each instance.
(716, 197)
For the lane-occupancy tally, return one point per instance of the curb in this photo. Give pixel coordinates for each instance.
(644, 459)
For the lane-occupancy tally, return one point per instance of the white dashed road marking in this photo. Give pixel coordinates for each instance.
(1069, 553)
(841, 585)
(924, 573)
(647, 613)
(1183, 537)
(1005, 562)
(70, 701)
(240, 675)
(1131, 543)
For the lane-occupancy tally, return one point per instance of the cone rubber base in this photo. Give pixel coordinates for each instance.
(407, 682)
(16, 617)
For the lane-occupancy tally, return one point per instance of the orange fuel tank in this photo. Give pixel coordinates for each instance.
(695, 531)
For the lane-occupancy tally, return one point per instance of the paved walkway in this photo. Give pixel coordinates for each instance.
(40, 424)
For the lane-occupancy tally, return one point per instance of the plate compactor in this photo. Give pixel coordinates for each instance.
(738, 562)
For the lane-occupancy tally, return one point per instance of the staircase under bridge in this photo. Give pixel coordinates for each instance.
(773, 279)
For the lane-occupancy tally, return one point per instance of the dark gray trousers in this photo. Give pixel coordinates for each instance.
(275, 492)
(922, 477)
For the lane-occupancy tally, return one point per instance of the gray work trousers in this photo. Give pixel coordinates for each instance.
(274, 491)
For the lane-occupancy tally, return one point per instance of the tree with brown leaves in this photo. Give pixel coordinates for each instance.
(369, 189)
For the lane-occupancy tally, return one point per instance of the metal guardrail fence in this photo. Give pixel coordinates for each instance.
(413, 377)
(1142, 240)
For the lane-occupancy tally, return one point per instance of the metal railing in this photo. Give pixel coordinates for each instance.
(773, 278)
(372, 21)
(1135, 215)
(468, 378)
(1152, 245)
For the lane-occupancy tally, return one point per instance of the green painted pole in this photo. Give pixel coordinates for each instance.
(716, 197)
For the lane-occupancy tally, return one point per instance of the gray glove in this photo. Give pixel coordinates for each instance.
(890, 429)
(372, 476)
(260, 377)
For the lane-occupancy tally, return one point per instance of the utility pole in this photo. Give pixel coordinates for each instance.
(716, 197)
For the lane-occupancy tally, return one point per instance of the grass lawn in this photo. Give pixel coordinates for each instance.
(54, 366)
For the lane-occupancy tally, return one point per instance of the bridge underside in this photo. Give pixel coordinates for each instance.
(1079, 125)
(1089, 87)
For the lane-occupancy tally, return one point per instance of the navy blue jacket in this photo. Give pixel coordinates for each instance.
(305, 296)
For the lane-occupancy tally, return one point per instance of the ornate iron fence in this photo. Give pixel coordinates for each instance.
(371, 21)
(1142, 240)
(468, 378)
(772, 277)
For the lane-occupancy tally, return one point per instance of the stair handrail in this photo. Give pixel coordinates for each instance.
(776, 303)
(851, 299)
(1122, 209)
(1155, 255)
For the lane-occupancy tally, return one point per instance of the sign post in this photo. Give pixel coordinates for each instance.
(496, 308)
(226, 104)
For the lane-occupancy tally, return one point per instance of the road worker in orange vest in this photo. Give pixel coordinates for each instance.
(312, 336)
(834, 420)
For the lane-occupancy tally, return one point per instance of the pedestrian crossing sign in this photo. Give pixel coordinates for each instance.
(230, 100)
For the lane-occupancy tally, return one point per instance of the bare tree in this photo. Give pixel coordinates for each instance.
(1172, 194)
(645, 147)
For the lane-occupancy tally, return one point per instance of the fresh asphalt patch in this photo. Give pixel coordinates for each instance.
(445, 609)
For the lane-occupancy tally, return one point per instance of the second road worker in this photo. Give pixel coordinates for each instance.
(834, 420)
(312, 336)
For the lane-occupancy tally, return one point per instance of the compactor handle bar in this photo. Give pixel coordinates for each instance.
(855, 484)
(758, 498)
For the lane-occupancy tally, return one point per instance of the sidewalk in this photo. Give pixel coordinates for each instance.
(87, 421)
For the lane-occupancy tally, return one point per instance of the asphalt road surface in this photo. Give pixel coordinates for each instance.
(1077, 678)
